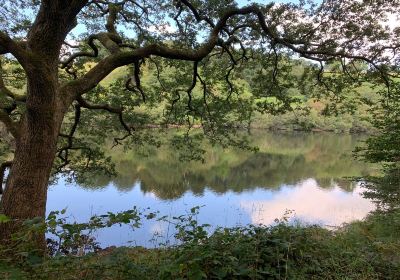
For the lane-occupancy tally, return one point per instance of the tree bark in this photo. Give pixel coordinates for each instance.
(25, 193)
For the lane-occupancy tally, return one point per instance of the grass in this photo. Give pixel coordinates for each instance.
(366, 249)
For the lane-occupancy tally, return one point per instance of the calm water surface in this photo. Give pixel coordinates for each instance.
(307, 174)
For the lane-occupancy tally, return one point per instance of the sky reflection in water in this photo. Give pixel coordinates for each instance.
(299, 172)
(309, 202)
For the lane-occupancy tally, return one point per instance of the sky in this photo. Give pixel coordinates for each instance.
(246, 2)
(392, 22)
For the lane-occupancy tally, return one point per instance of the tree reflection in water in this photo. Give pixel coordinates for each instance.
(284, 158)
(302, 172)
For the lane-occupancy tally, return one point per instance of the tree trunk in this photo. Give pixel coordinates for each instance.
(25, 193)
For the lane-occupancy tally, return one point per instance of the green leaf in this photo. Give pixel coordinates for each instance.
(4, 219)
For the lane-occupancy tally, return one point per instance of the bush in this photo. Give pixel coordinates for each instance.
(361, 250)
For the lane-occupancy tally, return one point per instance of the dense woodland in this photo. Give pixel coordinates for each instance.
(82, 78)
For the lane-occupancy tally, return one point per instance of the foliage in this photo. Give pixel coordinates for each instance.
(362, 250)
(64, 238)
(384, 148)
(385, 190)
(249, 70)
(206, 85)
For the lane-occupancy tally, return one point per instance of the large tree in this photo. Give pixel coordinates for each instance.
(62, 50)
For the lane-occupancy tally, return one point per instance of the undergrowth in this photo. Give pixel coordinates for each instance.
(362, 250)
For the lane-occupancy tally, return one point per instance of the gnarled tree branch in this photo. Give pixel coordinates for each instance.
(108, 64)
(118, 111)
(8, 45)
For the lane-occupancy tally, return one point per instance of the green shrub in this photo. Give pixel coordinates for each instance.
(361, 250)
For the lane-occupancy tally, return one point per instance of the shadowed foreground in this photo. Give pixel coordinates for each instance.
(362, 250)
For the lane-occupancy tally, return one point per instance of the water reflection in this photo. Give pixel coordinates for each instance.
(282, 159)
(310, 204)
(301, 172)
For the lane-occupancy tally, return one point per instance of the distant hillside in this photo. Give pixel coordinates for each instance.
(311, 112)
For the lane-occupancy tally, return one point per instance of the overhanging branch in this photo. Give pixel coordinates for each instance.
(110, 39)
(121, 58)
(115, 110)
(118, 59)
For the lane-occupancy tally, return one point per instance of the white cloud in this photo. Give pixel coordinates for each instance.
(311, 204)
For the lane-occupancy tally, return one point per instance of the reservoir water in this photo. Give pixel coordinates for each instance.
(305, 177)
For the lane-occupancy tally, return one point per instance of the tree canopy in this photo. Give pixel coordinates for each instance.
(187, 56)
